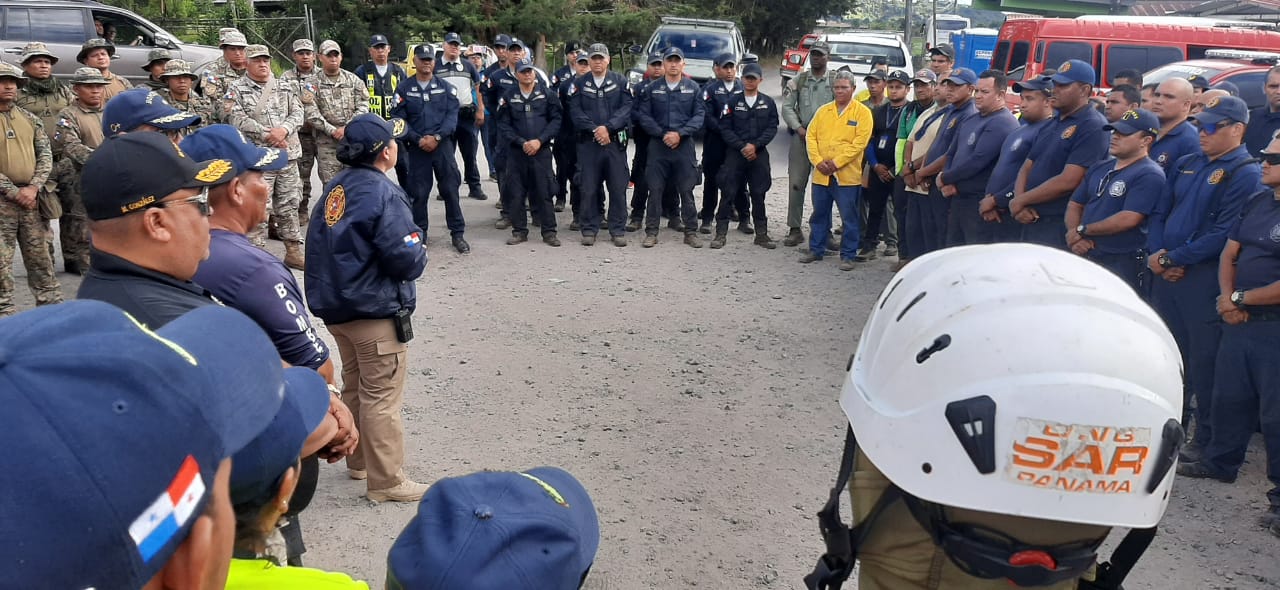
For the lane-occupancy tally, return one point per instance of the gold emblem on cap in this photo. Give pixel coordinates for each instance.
(1213, 102)
(397, 126)
(1066, 67)
(335, 205)
(214, 171)
(1130, 116)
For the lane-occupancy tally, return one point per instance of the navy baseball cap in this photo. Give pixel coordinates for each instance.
(1228, 86)
(498, 530)
(517, 43)
(138, 106)
(944, 49)
(598, 49)
(453, 38)
(118, 433)
(1198, 82)
(257, 468)
(581, 57)
(725, 59)
(962, 76)
(424, 51)
(655, 56)
(672, 51)
(377, 40)
(502, 40)
(1223, 108)
(133, 171)
(926, 75)
(752, 70)
(524, 65)
(372, 132)
(1038, 84)
(1139, 121)
(226, 142)
(1074, 70)
(899, 76)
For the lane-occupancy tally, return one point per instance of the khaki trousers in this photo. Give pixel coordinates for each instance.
(374, 365)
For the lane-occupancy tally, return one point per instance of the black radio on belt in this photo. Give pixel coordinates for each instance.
(404, 324)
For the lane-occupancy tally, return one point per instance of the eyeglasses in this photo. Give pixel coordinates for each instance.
(1211, 128)
(1270, 159)
(201, 201)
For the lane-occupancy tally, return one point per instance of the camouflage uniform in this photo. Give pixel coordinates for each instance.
(46, 98)
(79, 132)
(338, 100)
(284, 110)
(115, 85)
(305, 85)
(215, 80)
(22, 166)
(195, 104)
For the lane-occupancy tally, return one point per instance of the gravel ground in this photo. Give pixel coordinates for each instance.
(693, 392)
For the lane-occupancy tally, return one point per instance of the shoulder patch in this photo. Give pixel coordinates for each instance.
(335, 205)
(1216, 176)
(1069, 132)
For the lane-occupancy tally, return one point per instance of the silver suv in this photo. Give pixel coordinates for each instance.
(701, 41)
(64, 25)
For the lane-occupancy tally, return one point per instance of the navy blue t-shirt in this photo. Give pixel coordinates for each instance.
(1106, 191)
(1262, 128)
(1258, 231)
(1077, 139)
(1183, 139)
(255, 282)
(1012, 155)
(973, 154)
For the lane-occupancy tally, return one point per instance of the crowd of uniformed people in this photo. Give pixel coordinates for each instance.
(1169, 186)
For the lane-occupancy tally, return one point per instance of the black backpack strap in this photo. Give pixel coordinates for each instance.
(1111, 575)
(842, 542)
(1215, 200)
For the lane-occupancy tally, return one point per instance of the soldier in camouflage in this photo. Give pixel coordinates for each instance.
(270, 114)
(79, 132)
(156, 60)
(97, 53)
(340, 96)
(180, 81)
(218, 76)
(303, 77)
(25, 165)
(45, 96)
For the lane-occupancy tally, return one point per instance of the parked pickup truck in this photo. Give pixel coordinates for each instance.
(793, 59)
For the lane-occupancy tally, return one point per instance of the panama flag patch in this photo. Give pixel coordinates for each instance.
(161, 521)
(413, 240)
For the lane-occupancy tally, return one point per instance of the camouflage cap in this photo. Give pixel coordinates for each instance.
(178, 67)
(303, 45)
(12, 71)
(92, 44)
(231, 38)
(36, 49)
(156, 55)
(329, 46)
(88, 76)
(253, 51)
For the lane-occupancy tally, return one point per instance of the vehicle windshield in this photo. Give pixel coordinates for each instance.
(695, 44)
(1176, 70)
(863, 53)
(950, 25)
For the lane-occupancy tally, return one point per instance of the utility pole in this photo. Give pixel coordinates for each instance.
(906, 27)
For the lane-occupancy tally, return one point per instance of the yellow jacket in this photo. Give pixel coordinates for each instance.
(841, 138)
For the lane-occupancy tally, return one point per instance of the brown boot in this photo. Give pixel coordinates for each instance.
(762, 236)
(718, 242)
(794, 237)
(294, 256)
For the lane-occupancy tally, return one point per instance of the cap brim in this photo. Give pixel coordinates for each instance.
(579, 502)
(175, 120)
(270, 160)
(597, 54)
(210, 173)
(1121, 128)
(957, 81)
(1061, 79)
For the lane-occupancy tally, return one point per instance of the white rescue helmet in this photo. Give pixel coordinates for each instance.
(1022, 380)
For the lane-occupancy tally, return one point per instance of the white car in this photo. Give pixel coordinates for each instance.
(855, 52)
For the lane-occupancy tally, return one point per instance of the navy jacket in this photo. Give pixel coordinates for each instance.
(363, 250)
(741, 124)
(660, 109)
(715, 98)
(521, 119)
(608, 104)
(974, 151)
(428, 110)
(1191, 221)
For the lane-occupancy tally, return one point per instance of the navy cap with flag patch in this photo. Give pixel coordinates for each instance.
(498, 530)
(142, 106)
(134, 171)
(118, 432)
(226, 142)
(962, 77)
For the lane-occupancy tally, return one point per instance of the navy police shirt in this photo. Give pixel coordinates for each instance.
(1106, 191)
(1076, 139)
(1183, 139)
(973, 153)
(1199, 204)
(151, 297)
(1012, 154)
(1258, 231)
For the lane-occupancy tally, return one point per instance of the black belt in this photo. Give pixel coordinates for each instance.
(1270, 316)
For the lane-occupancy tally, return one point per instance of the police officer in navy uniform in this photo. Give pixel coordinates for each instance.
(1178, 137)
(1265, 120)
(528, 118)
(600, 105)
(429, 106)
(1064, 150)
(671, 110)
(958, 88)
(1247, 375)
(381, 76)
(1204, 195)
(1107, 216)
(568, 71)
(640, 162)
(487, 132)
(748, 123)
(1037, 112)
(465, 78)
(716, 93)
(565, 149)
(497, 84)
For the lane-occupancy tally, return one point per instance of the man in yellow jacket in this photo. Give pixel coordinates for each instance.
(837, 138)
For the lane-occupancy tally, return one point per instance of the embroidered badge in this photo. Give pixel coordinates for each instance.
(1117, 188)
(335, 205)
(1216, 177)
(1071, 131)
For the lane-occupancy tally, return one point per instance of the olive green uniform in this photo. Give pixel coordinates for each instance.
(26, 159)
(79, 132)
(801, 98)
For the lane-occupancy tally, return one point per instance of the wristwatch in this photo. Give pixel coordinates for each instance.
(437, 136)
(1164, 261)
(1080, 230)
(1237, 297)
(911, 166)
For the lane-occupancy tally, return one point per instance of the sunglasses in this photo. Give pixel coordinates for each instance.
(1211, 128)
(201, 201)
(1270, 159)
